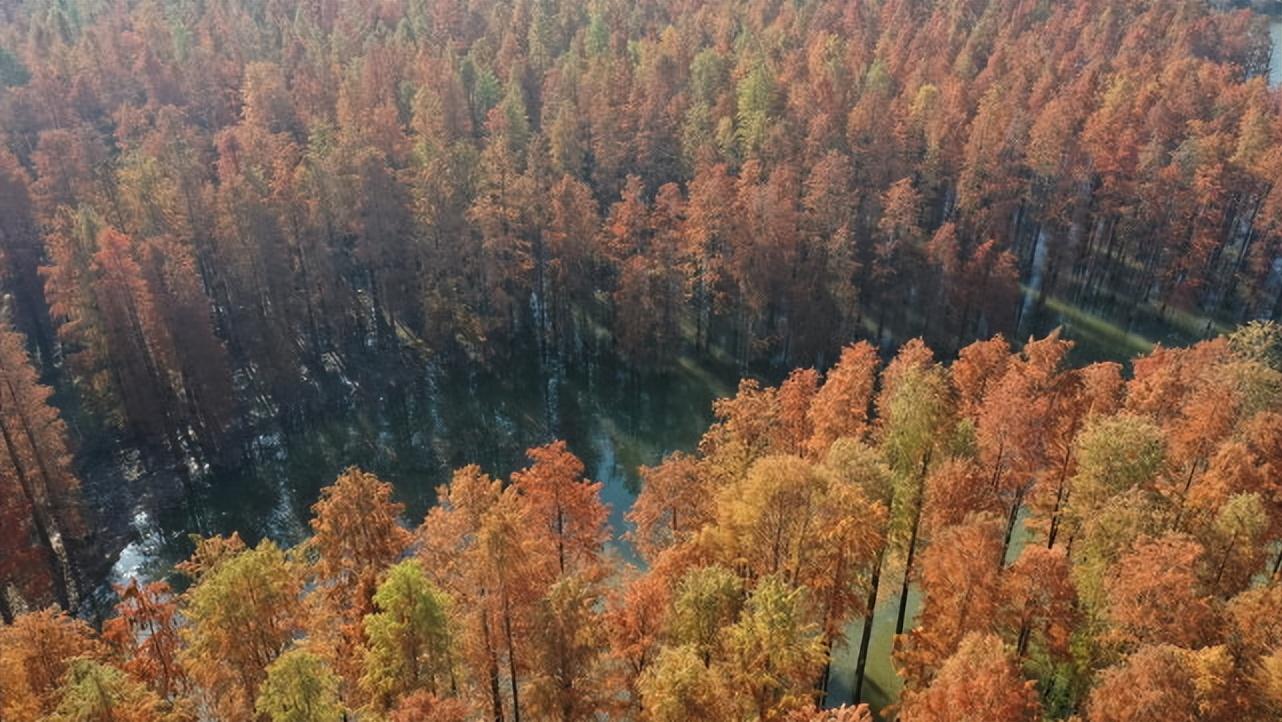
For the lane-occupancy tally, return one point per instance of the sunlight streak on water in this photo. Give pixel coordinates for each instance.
(1275, 64)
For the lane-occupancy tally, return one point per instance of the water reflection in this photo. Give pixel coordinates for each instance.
(414, 436)
(1275, 64)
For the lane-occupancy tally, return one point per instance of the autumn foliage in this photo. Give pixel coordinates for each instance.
(213, 214)
(1138, 582)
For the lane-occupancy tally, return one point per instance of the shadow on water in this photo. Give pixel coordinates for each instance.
(415, 436)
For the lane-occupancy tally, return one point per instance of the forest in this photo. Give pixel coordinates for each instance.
(999, 277)
(1087, 547)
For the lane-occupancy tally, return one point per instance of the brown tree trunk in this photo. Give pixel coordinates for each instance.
(46, 528)
(865, 639)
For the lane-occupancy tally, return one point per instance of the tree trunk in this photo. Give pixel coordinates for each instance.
(908, 571)
(511, 659)
(865, 638)
(45, 527)
(1011, 518)
(912, 543)
(492, 664)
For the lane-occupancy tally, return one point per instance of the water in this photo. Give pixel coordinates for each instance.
(416, 435)
(1275, 64)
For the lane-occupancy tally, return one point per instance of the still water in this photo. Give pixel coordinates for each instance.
(1275, 64)
(612, 419)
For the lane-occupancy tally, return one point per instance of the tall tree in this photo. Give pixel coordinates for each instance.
(242, 614)
(410, 638)
(299, 687)
(37, 483)
(980, 681)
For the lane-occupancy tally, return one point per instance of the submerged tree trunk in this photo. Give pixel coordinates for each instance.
(908, 571)
(1012, 518)
(865, 638)
(912, 542)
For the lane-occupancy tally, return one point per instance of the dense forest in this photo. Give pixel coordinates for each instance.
(218, 216)
(213, 210)
(1087, 547)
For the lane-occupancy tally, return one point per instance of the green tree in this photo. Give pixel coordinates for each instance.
(679, 687)
(242, 613)
(758, 97)
(300, 687)
(410, 637)
(776, 649)
(95, 692)
(707, 600)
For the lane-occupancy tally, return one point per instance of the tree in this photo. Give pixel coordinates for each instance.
(423, 706)
(40, 491)
(146, 633)
(852, 461)
(913, 415)
(962, 595)
(980, 681)
(679, 686)
(1012, 427)
(95, 691)
(742, 434)
(776, 650)
(705, 602)
(1167, 569)
(565, 508)
(21, 248)
(410, 637)
(299, 687)
(569, 680)
(1118, 461)
(1155, 682)
(470, 543)
(241, 615)
(513, 573)
(796, 395)
(573, 263)
(636, 620)
(1238, 547)
(356, 533)
(1040, 600)
(35, 653)
(675, 502)
(770, 515)
(840, 407)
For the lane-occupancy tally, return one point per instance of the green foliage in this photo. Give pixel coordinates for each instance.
(300, 687)
(854, 462)
(758, 100)
(679, 687)
(1114, 454)
(241, 614)
(914, 418)
(709, 72)
(410, 637)
(706, 601)
(517, 120)
(96, 692)
(1259, 341)
(776, 648)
